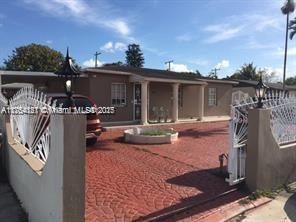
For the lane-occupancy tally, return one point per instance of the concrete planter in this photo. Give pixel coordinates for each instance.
(135, 135)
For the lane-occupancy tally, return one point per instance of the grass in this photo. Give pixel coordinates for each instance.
(260, 193)
(157, 133)
(23, 216)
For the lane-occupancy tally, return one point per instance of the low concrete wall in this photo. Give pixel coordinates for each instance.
(55, 191)
(135, 136)
(267, 165)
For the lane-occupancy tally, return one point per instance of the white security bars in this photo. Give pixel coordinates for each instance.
(238, 132)
(31, 128)
(3, 99)
(283, 119)
(283, 126)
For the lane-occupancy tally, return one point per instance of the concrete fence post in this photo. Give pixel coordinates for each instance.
(256, 122)
(268, 165)
(72, 147)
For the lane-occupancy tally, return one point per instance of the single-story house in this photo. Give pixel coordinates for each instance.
(140, 94)
(12, 81)
(246, 88)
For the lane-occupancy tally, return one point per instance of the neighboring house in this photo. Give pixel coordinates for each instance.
(140, 94)
(12, 81)
(246, 88)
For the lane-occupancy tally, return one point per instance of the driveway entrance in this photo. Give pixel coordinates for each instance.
(126, 182)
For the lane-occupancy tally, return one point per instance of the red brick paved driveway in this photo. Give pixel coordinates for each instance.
(199, 144)
(126, 182)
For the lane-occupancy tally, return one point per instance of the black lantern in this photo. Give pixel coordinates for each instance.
(69, 72)
(260, 92)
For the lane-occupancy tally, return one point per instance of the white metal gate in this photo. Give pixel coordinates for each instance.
(238, 130)
(283, 126)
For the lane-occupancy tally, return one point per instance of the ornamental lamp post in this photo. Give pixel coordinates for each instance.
(69, 72)
(260, 92)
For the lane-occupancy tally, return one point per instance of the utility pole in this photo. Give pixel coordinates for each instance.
(215, 71)
(96, 58)
(169, 62)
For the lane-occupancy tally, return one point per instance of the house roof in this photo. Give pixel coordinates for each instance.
(155, 73)
(16, 85)
(27, 73)
(277, 86)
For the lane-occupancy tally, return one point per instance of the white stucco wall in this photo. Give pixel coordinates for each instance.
(58, 193)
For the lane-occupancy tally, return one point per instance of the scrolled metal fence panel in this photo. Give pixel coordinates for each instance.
(282, 123)
(30, 112)
(283, 120)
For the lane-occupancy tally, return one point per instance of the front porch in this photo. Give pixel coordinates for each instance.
(168, 101)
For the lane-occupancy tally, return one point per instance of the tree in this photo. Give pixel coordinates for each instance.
(267, 76)
(198, 73)
(292, 27)
(246, 72)
(34, 57)
(288, 8)
(291, 81)
(134, 56)
(213, 75)
(119, 63)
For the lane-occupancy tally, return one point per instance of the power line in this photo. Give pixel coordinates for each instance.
(215, 71)
(169, 62)
(96, 58)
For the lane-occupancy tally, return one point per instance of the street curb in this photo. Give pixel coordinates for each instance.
(167, 215)
(232, 210)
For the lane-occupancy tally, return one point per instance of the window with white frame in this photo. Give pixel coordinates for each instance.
(212, 97)
(118, 94)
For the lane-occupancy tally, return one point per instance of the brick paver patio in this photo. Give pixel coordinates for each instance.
(126, 182)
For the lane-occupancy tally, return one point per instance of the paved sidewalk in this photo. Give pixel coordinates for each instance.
(281, 209)
(10, 209)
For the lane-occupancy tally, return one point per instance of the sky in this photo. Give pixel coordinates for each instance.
(195, 34)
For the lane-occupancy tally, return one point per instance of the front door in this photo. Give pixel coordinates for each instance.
(137, 101)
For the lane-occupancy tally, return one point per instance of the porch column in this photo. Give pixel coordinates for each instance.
(175, 102)
(201, 101)
(144, 102)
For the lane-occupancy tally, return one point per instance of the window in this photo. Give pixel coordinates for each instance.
(118, 94)
(212, 97)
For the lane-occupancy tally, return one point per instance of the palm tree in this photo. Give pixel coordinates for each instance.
(288, 8)
(292, 27)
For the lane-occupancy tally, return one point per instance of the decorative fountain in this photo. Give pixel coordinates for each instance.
(150, 135)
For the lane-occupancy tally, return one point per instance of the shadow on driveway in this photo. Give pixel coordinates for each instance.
(195, 133)
(215, 192)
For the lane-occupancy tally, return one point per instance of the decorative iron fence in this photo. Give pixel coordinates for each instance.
(283, 119)
(30, 112)
(283, 126)
(3, 100)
